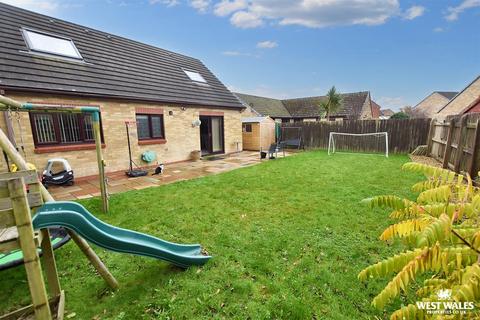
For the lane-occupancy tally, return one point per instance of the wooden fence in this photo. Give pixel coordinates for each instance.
(455, 143)
(404, 135)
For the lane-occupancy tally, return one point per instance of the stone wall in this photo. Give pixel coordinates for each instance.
(181, 138)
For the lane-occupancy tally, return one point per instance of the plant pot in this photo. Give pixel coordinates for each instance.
(263, 155)
(195, 155)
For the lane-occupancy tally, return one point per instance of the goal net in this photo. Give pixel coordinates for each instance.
(376, 142)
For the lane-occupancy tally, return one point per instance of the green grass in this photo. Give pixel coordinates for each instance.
(288, 238)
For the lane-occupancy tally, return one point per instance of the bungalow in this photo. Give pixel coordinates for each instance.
(429, 106)
(356, 106)
(177, 105)
(464, 101)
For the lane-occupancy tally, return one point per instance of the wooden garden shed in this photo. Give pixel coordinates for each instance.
(258, 133)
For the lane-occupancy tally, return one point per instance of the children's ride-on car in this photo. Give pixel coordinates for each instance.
(57, 172)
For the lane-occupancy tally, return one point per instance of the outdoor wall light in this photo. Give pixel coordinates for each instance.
(196, 123)
(183, 108)
(170, 113)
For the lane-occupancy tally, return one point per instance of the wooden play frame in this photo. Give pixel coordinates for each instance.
(16, 207)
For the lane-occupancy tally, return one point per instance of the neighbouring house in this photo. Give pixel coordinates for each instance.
(357, 105)
(474, 107)
(429, 106)
(375, 110)
(258, 133)
(464, 101)
(48, 60)
(386, 114)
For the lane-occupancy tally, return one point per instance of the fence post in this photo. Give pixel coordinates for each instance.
(472, 170)
(448, 145)
(461, 143)
(431, 131)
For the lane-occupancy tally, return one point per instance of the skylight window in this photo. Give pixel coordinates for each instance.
(50, 44)
(195, 76)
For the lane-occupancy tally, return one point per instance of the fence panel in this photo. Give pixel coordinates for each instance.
(404, 134)
(454, 142)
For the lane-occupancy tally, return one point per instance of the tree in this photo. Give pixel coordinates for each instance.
(400, 115)
(332, 103)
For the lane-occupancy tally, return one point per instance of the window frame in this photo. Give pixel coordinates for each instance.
(187, 71)
(150, 127)
(56, 130)
(31, 47)
(247, 125)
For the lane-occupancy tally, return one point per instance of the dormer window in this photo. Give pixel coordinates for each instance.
(195, 76)
(43, 42)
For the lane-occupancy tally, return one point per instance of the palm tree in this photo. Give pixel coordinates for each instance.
(332, 103)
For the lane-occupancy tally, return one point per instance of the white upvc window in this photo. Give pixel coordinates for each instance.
(43, 42)
(195, 76)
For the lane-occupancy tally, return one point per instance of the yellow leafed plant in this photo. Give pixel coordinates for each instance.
(443, 227)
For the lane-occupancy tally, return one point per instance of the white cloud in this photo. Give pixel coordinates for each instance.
(168, 3)
(42, 6)
(267, 44)
(316, 13)
(227, 7)
(237, 54)
(246, 20)
(438, 29)
(454, 12)
(200, 5)
(414, 12)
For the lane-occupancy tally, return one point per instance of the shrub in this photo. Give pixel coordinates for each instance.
(441, 233)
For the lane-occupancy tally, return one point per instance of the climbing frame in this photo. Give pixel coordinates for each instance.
(20, 195)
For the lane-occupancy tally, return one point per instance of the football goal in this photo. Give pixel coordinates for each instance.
(376, 142)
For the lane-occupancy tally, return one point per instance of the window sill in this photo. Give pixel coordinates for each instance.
(151, 141)
(63, 148)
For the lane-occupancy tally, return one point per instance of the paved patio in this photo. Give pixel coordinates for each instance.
(119, 182)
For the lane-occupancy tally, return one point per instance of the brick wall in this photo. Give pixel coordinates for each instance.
(462, 100)
(181, 137)
(431, 105)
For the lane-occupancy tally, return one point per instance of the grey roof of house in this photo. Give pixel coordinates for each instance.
(113, 66)
(304, 107)
(265, 106)
(447, 94)
(352, 104)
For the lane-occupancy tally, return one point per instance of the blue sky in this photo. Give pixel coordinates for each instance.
(399, 50)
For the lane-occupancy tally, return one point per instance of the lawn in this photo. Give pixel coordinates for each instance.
(288, 238)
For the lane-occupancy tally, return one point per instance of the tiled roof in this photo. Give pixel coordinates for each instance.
(447, 94)
(305, 107)
(352, 104)
(265, 106)
(375, 110)
(113, 66)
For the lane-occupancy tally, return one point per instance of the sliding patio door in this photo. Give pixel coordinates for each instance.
(211, 135)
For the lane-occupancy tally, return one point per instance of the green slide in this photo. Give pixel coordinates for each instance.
(74, 216)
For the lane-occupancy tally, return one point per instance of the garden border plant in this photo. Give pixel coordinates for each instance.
(442, 235)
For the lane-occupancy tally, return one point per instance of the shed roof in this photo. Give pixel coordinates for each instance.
(255, 119)
(113, 66)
